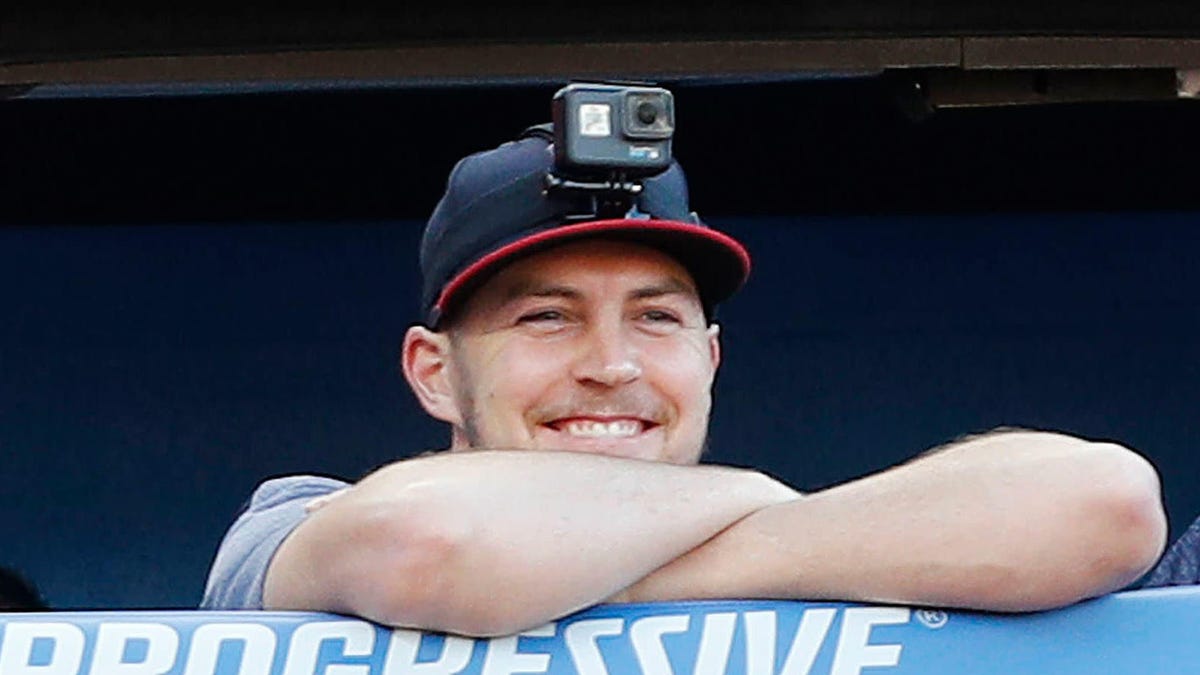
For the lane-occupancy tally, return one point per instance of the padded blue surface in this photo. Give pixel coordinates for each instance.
(1135, 632)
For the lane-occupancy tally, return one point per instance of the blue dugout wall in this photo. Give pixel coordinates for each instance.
(153, 374)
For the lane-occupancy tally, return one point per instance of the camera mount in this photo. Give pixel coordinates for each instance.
(612, 198)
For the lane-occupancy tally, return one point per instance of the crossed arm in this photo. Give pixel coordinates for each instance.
(493, 542)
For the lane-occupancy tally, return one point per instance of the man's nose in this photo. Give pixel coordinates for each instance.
(608, 357)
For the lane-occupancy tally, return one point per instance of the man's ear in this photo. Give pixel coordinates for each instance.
(714, 345)
(425, 360)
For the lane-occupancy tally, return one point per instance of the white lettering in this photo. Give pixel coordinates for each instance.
(162, 645)
(647, 633)
(810, 635)
(581, 643)
(17, 649)
(760, 641)
(853, 651)
(504, 659)
(258, 648)
(359, 639)
(402, 655)
(716, 641)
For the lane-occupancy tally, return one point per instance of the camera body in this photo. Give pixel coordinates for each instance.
(603, 130)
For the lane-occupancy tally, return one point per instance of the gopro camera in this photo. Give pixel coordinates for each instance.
(603, 130)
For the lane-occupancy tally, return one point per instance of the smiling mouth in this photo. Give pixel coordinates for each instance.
(593, 428)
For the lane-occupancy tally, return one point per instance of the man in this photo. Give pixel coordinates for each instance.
(573, 359)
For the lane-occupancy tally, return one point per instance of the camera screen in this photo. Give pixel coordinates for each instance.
(595, 120)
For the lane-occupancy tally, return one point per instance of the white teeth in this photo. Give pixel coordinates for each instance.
(597, 429)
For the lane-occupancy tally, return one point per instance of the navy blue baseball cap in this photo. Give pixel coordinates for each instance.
(497, 209)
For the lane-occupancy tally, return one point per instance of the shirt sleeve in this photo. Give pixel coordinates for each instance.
(1181, 565)
(240, 568)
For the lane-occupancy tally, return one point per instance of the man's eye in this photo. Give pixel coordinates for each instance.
(541, 315)
(657, 316)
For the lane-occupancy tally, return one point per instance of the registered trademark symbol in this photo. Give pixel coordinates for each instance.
(932, 618)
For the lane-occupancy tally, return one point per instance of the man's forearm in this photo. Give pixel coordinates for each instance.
(1008, 522)
(494, 542)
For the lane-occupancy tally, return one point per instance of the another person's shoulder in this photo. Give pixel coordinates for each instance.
(273, 511)
(18, 594)
(1181, 564)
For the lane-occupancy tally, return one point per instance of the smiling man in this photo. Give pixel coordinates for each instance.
(573, 359)
(595, 346)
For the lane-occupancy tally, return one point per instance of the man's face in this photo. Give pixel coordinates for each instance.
(593, 346)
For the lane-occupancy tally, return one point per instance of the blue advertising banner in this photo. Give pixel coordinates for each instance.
(1135, 632)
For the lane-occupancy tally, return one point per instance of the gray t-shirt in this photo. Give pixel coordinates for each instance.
(275, 509)
(1181, 565)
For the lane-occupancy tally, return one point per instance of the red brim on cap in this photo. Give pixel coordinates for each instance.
(718, 263)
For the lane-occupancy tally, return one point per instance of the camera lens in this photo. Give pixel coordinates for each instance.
(647, 112)
(647, 115)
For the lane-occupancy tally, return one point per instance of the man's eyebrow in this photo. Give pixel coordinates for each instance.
(668, 286)
(533, 289)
